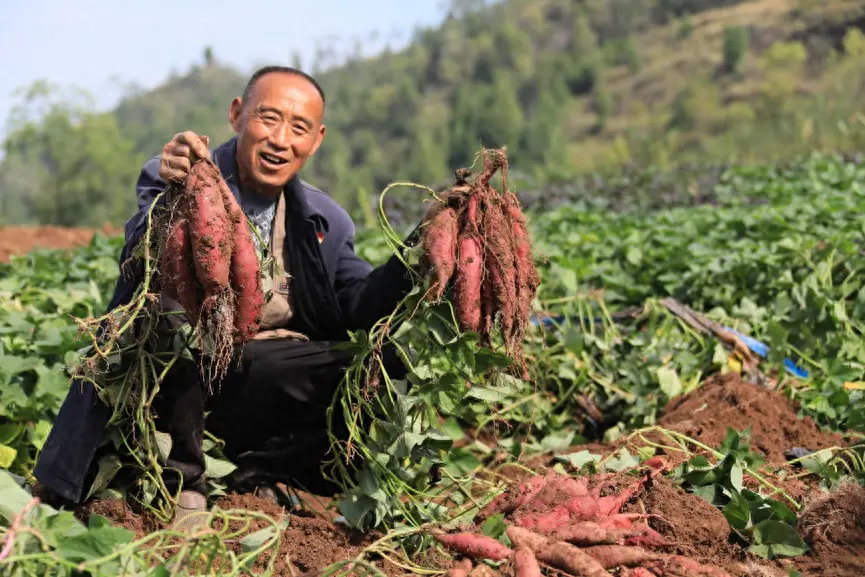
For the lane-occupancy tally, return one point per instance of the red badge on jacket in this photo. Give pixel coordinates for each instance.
(320, 237)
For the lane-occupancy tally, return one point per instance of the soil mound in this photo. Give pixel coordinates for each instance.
(727, 401)
(20, 240)
(120, 514)
(834, 527)
(684, 518)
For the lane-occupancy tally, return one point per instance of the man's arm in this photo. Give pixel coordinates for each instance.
(147, 188)
(366, 294)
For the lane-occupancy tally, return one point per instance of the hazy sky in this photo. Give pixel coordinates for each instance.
(91, 42)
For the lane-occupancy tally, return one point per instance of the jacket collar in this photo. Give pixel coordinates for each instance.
(296, 193)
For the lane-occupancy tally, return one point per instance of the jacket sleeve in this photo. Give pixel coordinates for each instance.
(367, 294)
(148, 186)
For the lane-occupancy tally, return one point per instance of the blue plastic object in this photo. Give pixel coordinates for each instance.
(763, 350)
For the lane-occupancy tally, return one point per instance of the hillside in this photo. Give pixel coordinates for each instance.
(569, 86)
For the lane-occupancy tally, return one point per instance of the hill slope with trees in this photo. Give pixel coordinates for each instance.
(569, 86)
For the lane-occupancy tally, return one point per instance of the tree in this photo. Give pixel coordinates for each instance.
(735, 47)
(67, 164)
(208, 56)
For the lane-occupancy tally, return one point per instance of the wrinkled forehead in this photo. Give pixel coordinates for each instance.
(287, 93)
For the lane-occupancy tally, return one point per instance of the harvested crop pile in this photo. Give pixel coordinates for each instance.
(724, 401)
(576, 526)
(477, 239)
(209, 265)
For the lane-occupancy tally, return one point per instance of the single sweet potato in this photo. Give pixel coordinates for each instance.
(525, 563)
(460, 569)
(467, 287)
(514, 497)
(475, 546)
(244, 271)
(545, 522)
(178, 269)
(209, 228)
(587, 533)
(611, 556)
(440, 242)
(556, 553)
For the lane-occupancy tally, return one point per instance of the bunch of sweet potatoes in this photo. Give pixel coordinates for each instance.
(477, 239)
(208, 262)
(557, 521)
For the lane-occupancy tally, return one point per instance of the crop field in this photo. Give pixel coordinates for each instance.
(694, 405)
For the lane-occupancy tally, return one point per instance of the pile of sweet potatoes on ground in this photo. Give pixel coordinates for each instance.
(478, 239)
(559, 522)
(208, 262)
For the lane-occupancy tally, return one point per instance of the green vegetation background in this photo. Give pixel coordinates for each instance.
(571, 87)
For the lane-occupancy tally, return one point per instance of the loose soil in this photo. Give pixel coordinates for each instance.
(20, 240)
(727, 401)
(834, 527)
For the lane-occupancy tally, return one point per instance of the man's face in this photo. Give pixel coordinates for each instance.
(279, 127)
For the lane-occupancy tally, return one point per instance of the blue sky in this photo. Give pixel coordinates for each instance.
(95, 43)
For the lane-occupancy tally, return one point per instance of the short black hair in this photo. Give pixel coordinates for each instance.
(285, 70)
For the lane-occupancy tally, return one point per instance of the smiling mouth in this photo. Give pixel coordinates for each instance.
(273, 160)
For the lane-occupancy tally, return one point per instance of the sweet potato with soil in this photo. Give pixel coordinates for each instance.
(178, 269)
(440, 242)
(244, 271)
(679, 566)
(460, 569)
(475, 546)
(588, 533)
(525, 563)
(209, 228)
(545, 522)
(514, 497)
(611, 556)
(467, 287)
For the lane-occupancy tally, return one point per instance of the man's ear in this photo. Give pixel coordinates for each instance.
(318, 139)
(235, 113)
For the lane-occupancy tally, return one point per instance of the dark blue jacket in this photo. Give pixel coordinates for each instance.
(333, 290)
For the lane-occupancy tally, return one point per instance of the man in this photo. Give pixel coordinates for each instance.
(271, 412)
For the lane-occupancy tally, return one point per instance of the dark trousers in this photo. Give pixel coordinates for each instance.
(271, 413)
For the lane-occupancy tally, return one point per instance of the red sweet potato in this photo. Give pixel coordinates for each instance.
(244, 271)
(475, 546)
(178, 268)
(246, 283)
(525, 564)
(209, 229)
(467, 287)
(611, 556)
(582, 508)
(679, 566)
(545, 522)
(588, 533)
(514, 497)
(461, 569)
(621, 520)
(440, 242)
(571, 559)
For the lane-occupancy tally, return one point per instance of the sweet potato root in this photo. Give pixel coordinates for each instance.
(209, 229)
(475, 546)
(468, 283)
(545, 522)
(514, 498)
(178, 269)
(611, 556)
(440, 241)
(460, 569)
(525, 564)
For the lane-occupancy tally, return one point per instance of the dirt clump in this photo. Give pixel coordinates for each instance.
(727, 401)
(683, 518)
(833, 526)
(118, 512)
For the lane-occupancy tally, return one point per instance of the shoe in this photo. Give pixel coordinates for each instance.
(266, 493)
(189, 512)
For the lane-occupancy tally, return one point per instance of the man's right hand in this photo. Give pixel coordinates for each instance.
(180, 154)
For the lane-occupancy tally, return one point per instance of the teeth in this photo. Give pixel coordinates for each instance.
(272, 159)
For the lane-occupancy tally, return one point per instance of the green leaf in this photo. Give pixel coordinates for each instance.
(776, 539)
(494, 526)
(96, 542)
(108, 467)
(579, 459)
(217, 468)
(669, 382)
(622, 461)
(7, 456)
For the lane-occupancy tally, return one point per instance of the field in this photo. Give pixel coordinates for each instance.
(648, 381)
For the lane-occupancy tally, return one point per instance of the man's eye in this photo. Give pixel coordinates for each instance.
(270, 118)
(300, 129)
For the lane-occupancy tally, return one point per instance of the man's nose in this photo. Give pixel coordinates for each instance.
(279, 137)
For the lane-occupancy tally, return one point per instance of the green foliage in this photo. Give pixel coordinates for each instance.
(735, 47)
